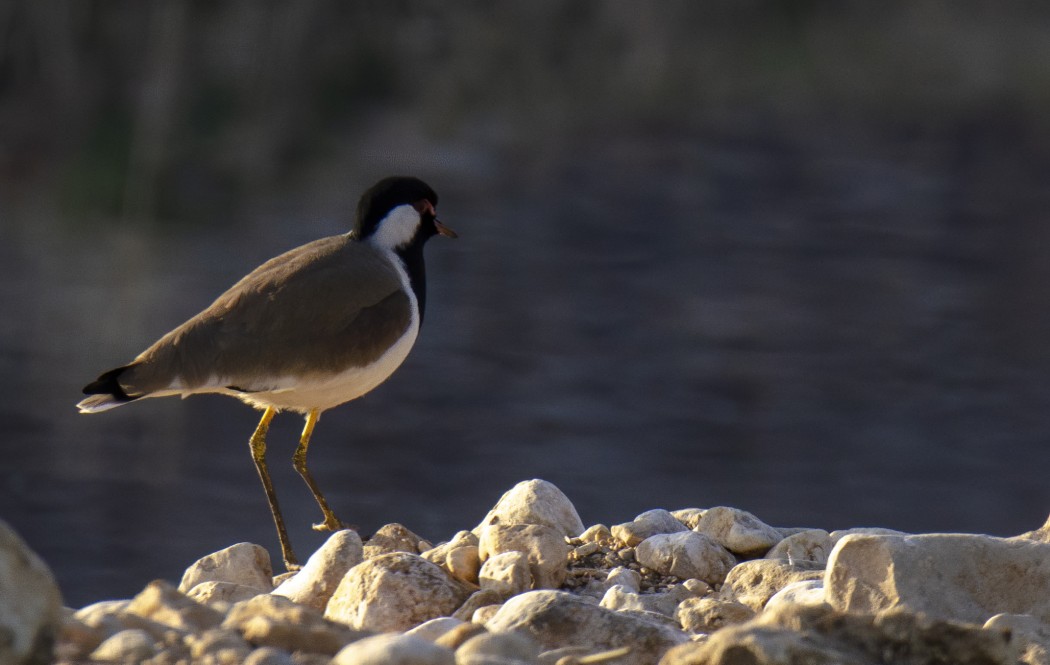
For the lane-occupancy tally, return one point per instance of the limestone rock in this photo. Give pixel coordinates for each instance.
(599, 533)
(544, 546)
(127, 646)
(394, 592)
(276, 621)
(439, 553)
(706, 615)
(690, 517)
(836, 536)
(645, 525)
(1029, 636)
(506, 573)
(218, 645)
(804, 592)
(482, 615)
(685, 554)
(435, 628)
(162, 603)
(535, 502)
(625, 577)
(394, 649)
(621, 599)
(315, 583)
(458, 635)
(949, 576)
(269, 656)
(1042, 534)
(394, 537)
(557, 619)
(808, 545)
(498, 649)
(30, 603)
(738, 531)
(109, 617)
(243, 563)
(475, 601)
(753, 583)
(818, 635)
(220, 595)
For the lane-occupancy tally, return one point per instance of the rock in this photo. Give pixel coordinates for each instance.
(556, 619)
(621, 599)
(439, 553)
(162, 603)
(599, 533)
(689, 516)
(625, 577)
(269, 656)
(394, 537)
(477, 600)
(30, 603)
(127, 646)
(219, 645)
(498, 649)
(315, 583)
(1042, 534)
(706, 615)
(836, 536)
(109, 617)
(220, 595)
(544, 546)
(506, 573)
(276, 621)
(394, 649)
(483, 614)
(685, 554)
(808, 545)
(738, 531)
(464, 564)
(458, 635)
(1029, 637)
(435, 628)
(753, 583)
(244, 563)
(535, 502)
(948, 576)
(645, 525)
(394, 592)
(804, 592)
(820, 635)
(76, 640)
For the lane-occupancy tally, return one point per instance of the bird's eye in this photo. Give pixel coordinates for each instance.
(424, 206)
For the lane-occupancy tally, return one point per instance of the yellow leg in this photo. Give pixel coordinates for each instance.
(331, 522)
(258, 445)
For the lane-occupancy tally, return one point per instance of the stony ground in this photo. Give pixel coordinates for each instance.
(531, 585)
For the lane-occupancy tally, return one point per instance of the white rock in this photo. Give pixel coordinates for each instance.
(645, 525)
(315, 583)
(127, 646)
(394, 592)
(243, 563)
(275, 621)
(483, 614)
(464, 563)
(557, 619)
(506, 573)
(535, 502)
(221, 595)
(738, 531)
(961, 577)
(394, 649)
(30, 603)
(706, 615)
(1029, 636)
(599, 533)
(625, 577)
(685, 554)
(621, 598)
(498, 649)
(269, 656)
(435, 628)
(477, 600)
(836, 536)
(689, 516)
(160, 602)
(753, 583)
(808, 545)
(545, 547)
(394, 537)
(803, 592)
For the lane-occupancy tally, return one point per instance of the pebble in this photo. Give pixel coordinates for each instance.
(244, 563)
(315, 583)
(738, 531)
(30, 602)
(545, 547)
(685, 554)
(394, 538)
(535, 502)
(127, 646)
(506, 573)
(649, 523)
(394, 649)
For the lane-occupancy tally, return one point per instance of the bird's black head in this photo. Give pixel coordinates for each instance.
(398, 211)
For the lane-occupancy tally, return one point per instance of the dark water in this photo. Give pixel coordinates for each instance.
(824, 333)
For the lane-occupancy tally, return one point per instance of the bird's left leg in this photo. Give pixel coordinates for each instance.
(331, 522)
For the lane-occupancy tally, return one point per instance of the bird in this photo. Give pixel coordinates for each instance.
(313, 328)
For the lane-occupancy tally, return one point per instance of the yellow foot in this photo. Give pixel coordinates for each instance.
(292, 566)
(333, 523)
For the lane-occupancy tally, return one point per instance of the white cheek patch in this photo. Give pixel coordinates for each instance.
(397, 228)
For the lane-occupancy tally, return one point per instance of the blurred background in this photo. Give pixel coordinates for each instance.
(789, 256)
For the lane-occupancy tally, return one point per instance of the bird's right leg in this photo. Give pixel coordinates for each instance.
(258, 445)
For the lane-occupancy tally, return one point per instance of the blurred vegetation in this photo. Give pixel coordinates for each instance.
(183, 110)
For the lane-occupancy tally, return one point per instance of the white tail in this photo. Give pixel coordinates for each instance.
(97, 403)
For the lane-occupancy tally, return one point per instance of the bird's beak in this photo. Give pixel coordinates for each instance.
(444, 230)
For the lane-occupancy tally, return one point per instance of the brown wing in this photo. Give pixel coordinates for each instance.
(321, 308)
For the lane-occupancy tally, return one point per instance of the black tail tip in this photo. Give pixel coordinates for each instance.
(107, 384)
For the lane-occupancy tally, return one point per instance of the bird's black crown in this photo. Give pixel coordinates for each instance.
(386, 195)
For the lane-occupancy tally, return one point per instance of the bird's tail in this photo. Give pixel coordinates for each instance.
(105, 392)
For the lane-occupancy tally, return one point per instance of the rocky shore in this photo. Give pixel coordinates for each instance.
(532, 584)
